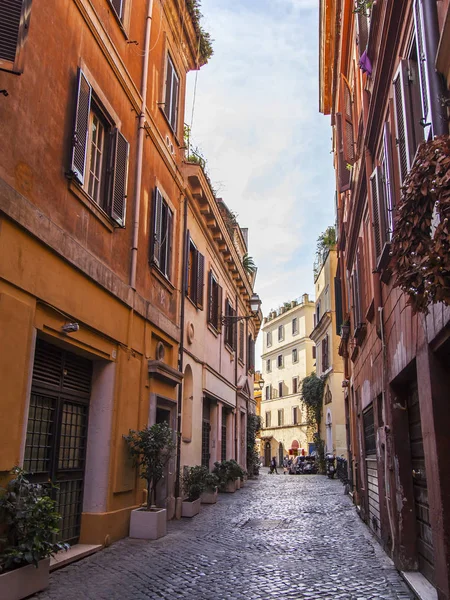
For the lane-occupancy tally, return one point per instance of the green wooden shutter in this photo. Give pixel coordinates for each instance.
(219, 308)
(168, 96)
(81, 133)
(119, 174)
(210, 297)
(343, 173)
(169, 244)
(186, 266)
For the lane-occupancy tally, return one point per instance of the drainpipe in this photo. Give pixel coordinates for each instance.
(431, 40)
(181, 350)
(140, 146)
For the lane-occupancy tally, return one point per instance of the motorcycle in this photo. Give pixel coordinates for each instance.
(309, 466)
(331, 466)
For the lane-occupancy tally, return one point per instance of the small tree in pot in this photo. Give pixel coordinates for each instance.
(151, 449)
(193, 486)
(29, 521)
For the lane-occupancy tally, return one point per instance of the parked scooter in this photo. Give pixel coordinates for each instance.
(331, 465)
(309, 466)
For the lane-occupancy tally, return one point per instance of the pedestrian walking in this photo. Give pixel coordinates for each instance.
(273, 465)
(285, 465)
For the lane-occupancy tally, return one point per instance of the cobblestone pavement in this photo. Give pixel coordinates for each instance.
(280, 537)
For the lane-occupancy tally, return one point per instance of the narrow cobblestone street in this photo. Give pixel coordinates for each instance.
(280, 537)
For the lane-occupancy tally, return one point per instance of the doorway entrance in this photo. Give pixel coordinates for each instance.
(267, 456)
(55, 449)
(424, 533)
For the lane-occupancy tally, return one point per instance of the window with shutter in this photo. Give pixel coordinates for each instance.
(120, 151)
(268, 368)
(338, 302)
(191, 288)
(118, 6)
(214, 302)
(230, 329)
(294, 385)
(162, 229)
(171, 94)
(241, 341)
(378, 212)
(281, 413)
(426, 120)
(348, 141)
(344, 173)
(269, 338)
(280, 333)
(268, 419)
(314, 352)
(388, 182)
(280, 389)
(14, 25)
(250, 354)
(362, 23)
(200, 279)
(268, 392)
(100, 154)
(407, 113)
(280, 361)
(294, 355)
(294, 326)
(295, 415)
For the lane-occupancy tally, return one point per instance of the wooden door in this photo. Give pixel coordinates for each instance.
(55, 449)
(424, 534)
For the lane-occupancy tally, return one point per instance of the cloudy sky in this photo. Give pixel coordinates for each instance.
(257, 123)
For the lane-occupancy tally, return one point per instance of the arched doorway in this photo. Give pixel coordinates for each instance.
(267, 455)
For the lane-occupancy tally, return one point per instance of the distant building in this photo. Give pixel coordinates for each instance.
(329, 365)
(288, 356)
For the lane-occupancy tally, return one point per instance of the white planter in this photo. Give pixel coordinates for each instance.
(238, 483)
(230, 488)
(148, 524)
(190, 509)
(23, 582)
(209, 497)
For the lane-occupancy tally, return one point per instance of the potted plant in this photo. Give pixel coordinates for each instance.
(237, 473)
(224, 472)
(193, 486)
(29, 522)
(151, 449)
(209, 495)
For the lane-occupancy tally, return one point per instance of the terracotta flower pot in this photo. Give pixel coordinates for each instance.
(148, 524)
(190, 509)
(23, 582)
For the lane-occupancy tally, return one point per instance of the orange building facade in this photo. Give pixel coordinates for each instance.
(384, 73)
(91, 245)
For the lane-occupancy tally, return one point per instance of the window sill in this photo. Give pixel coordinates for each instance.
(162, 279)
(92, 206)
(213, 330)
(229, 348)
(192, 302)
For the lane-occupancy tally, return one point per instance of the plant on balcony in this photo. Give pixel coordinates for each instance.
(363, 6)
(205, 41)
(420, 246)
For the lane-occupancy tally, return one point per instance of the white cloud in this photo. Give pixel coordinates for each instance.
(256, 120)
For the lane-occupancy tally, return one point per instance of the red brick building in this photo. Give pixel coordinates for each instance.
(379, 83)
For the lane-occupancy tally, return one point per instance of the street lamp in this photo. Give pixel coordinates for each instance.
(260, 382)
(255, 303)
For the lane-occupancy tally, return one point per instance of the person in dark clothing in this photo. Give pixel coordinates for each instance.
(273, 465)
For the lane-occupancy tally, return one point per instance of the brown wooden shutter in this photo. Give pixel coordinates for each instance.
(80, 133)
(363, 299)
(14, 24)
(363, 32)
(422, 57)
(118, 8)
(241, 341)
(389, 180)
(155, 246)
(169, 77)
(210, 297)
(379, 225)
(186, 266)
(119, 177)
(348, 140)
(169, 244)
(343, 173)
(175, 89)
(219, 308)
(200, 279)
